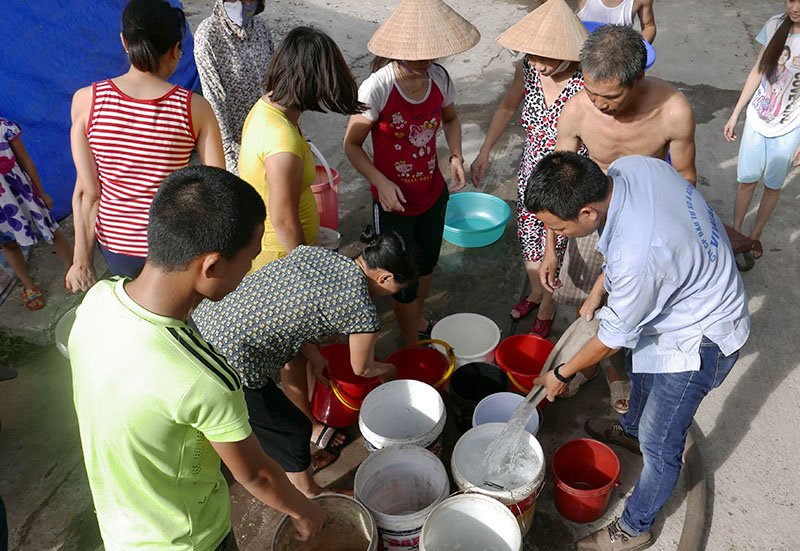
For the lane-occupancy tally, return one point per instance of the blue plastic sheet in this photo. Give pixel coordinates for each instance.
(50, 49)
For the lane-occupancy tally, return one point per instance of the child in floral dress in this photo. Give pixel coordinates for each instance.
(24, 215)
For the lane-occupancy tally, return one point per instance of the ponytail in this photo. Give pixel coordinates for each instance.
(769, 60)
(150, 29)
(391, 252)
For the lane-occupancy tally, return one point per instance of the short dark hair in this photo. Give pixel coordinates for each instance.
(201, 209)
(614, 52)
(563, 182)
(308, 72)
(391, 252)
(150, 29)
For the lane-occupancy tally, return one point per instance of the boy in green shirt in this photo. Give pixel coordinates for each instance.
(158, 406)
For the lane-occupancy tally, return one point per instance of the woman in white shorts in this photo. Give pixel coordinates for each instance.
(770, 143)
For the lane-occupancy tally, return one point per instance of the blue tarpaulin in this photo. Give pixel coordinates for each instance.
(50, 49)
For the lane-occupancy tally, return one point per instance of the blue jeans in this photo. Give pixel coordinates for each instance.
(661, 409)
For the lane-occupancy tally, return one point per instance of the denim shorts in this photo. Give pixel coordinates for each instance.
(767, 159)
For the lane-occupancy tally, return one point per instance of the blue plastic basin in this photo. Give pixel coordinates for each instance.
(651, 52)
(475, 219)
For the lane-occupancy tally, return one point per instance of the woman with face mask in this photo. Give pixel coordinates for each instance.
(551, 38)
(232, 49)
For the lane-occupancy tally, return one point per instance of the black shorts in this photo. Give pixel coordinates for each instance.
(424, 230)
(283, 430)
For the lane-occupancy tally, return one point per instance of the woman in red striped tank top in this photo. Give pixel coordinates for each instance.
(128, 134)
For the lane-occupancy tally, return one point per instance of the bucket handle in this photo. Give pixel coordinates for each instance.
(451, 355)
(318, 154)
(340, 396)
(515, 504)
(516, 383)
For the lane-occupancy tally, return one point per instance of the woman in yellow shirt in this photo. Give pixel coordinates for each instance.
(306, 73)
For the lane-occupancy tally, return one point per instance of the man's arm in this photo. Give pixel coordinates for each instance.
(647, 19)
(682, 147)
(265, 480)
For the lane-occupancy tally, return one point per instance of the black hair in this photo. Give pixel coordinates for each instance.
(769, 59)
(201, 209)
(391, 252)
(307, 72)
(563, 182)
(151, 28)
(614, 52)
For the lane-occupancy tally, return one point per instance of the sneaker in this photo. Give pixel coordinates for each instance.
(612, 538)
(611, 432)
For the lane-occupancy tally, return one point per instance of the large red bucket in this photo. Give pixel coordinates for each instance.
(585, 472)
(425, 364)
(522, 358)
(338, 405)
(326, 194)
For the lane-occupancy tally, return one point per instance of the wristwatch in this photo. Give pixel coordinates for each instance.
(560, 377)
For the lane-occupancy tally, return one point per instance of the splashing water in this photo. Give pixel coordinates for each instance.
(509, 461)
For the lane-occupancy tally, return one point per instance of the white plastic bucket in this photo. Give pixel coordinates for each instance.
(349, 526)
(467, 468)
(498, 408)
(404, 412)
(470, 522)
(472, 336)
(400, 486)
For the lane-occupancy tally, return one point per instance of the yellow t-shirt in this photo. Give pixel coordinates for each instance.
(267, 132)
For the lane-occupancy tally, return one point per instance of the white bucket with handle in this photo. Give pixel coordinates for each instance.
(472, 336)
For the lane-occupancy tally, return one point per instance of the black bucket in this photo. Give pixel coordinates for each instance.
(470, 384)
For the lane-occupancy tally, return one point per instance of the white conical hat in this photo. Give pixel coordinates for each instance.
(421, 30)
(551, 30)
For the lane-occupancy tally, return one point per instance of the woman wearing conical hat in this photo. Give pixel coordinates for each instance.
(551, 38)
(409, 97)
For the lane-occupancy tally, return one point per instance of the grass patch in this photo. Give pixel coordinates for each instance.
(11, 348)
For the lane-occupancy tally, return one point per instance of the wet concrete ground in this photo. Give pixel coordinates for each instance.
(747, 437)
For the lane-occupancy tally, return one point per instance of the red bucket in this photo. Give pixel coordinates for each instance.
(425, 364)
(326, 195)
(585, 472)
(338, 405)
(522, 358)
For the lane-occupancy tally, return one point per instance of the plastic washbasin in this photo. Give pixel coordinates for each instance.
(651, 52)
(475, 219)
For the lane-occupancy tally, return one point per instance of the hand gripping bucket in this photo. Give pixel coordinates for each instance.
(466, 467)
(326, 191)
(585, 473)
(338, 405)
(471, 522)
(403, 412)
(522, 358)
(425, 364)
(348, 526)
(400, 486)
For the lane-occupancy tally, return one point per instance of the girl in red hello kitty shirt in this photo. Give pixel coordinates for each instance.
(409, 97)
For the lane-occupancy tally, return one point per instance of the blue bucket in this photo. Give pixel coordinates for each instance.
(651, 52)
(475, 219)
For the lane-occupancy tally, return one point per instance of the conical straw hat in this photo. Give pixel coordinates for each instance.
(423, 29)
(551, 30)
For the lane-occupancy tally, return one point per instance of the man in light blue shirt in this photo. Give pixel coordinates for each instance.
(675, 300)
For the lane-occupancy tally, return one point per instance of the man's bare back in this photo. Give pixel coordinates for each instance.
(658, 120)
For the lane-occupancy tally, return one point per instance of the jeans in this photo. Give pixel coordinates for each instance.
(661, 409)
(123, 264)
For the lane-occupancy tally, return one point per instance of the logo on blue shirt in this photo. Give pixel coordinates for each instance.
(710, 244)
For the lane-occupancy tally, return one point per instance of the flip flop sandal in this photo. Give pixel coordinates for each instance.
(577, 383)
(325, 437)
(32, 299)
(619, 390)
(321, 459)
(523, 308)
(425, 334)
(541, 328)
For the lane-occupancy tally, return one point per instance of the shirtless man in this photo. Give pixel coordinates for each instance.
(620, 12)
(620, 112)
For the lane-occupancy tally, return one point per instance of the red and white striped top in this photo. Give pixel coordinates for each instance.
(136, 144)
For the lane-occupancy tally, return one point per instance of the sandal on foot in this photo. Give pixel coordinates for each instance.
(541, 328)
(325, 437)
(32, 299)
(577, 383)
(758, 250)
(322, 458)
(619, 390)
(523, 308)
